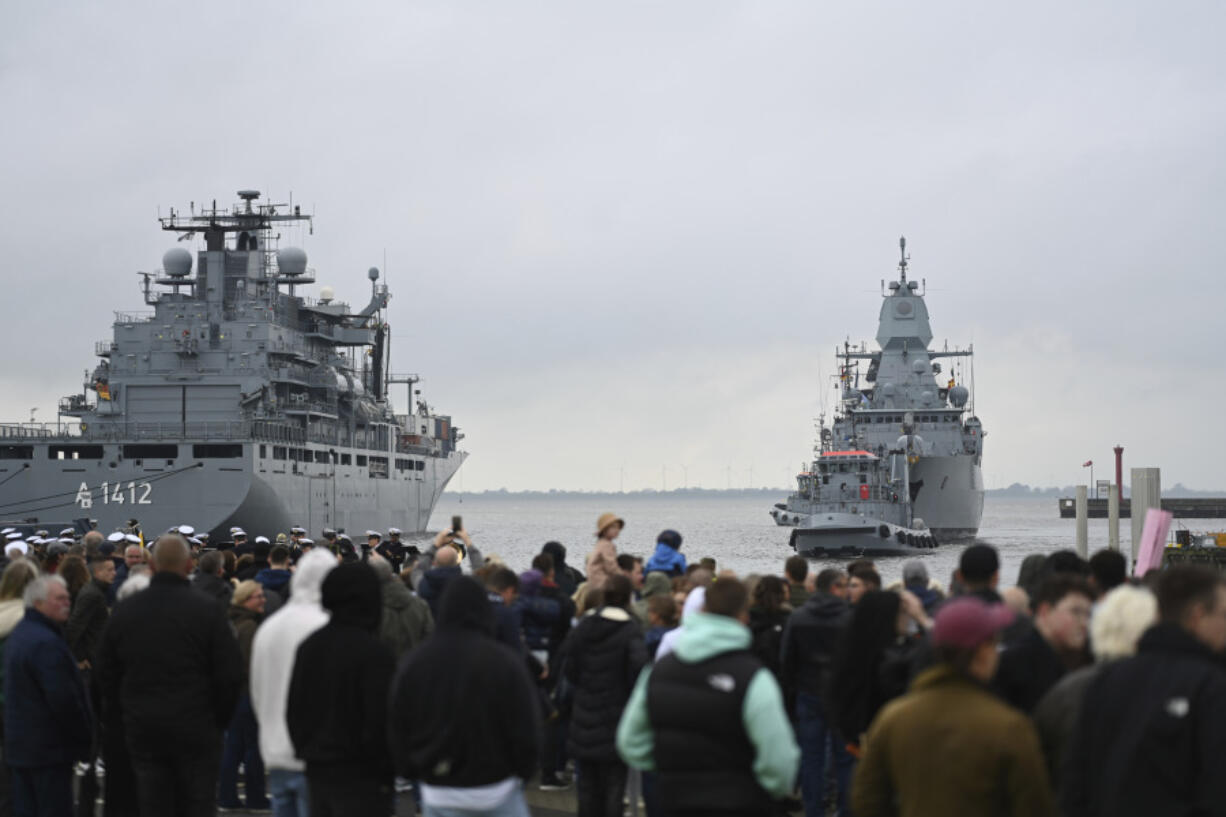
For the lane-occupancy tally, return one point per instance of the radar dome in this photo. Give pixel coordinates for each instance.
(919, 366)
(927, 396)
(177, 262)
(291, 261)
(958, 396)
(888, 389)
(326, 294)
(373, 273)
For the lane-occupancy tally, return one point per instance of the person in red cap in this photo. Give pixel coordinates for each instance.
(950, 746)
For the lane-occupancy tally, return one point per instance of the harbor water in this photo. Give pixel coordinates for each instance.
(736, 530)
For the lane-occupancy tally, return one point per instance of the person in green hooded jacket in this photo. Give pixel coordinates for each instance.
(709, 718)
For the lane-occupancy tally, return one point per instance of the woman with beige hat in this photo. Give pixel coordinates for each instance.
(602, 563)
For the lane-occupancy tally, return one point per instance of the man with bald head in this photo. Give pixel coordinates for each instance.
(170, 666)
(435, 580)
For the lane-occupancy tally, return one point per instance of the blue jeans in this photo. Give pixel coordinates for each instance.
(818, 743)
(513, 806)
(242, 745)
(290, 796)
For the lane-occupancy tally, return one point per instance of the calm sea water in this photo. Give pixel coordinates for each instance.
(736, 530)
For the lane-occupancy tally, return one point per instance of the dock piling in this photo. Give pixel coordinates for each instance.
(1146, 494)
(1083, 521)
(1113, 517)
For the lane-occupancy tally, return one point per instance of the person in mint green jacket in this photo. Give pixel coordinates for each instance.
(709, 718)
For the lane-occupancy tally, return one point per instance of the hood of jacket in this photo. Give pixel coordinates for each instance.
(11, 612)
(351, 594)
(465, 606)
(656, 583)
(704, 635)
(826, 606)
(273, 578)
(557, 552)
(306, 587)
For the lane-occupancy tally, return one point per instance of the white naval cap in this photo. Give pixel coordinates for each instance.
(67, 540)
(68, 532)
(194, 541)
(393, 531)
(117, 536)
(306, 541)
(21, 547)
(236, 532)
(186, 530)
(7, 531)
(262, 540)
(373, 534)
(132, 538)
(14, 535)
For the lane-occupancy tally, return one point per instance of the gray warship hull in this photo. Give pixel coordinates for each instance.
(250, 489)
(851, 535)
(950, 498)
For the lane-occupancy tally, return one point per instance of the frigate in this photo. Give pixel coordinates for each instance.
(237, 402)
(898, 470)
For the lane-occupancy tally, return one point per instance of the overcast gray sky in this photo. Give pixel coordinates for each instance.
(629, 234)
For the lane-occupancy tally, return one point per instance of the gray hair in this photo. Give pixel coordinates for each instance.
(1119, 620)
(382, 567)
(38, 589)
(132, 585)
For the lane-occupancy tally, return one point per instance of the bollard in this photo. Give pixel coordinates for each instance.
(1113, 517)
(1083, 521)
(1146, 494)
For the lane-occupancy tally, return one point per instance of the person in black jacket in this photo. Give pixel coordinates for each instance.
(46, 711)
(337, 706)
(1152, 730)
(602, 657)
(434, 581)
(806, 660)
(90, 612)
(464, 719)
(209, 581)
(1055, 645)
(170, 664)
(568, 578)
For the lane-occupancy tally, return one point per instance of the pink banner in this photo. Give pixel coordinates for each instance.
(1153, 541)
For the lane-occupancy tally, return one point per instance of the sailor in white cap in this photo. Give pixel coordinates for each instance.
(68, 532)
(116, 537)
(16, 546)
(262, 540)
(7, 531)
(187, 530)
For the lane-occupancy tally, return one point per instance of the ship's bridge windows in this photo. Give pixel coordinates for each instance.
(361, 461)
(217, 451)
(279, 452)
(378, 467)
(322, 456)
(16, 452)
(147, 451)
(421, 465)
(346, 459)
(74, 452)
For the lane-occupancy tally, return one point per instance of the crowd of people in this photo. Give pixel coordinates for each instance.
(329, 679)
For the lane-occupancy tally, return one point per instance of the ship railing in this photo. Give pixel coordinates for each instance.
(133, 317)
(38, 431)
(104, 348)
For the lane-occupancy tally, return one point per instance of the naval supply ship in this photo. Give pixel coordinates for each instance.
(898, 470)
(235, 402)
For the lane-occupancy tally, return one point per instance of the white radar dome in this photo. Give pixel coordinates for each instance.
(919, 366)
(291, 261)
(958, 396)
(177, 262)
(326, 294)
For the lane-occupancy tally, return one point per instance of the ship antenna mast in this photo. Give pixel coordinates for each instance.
(902, 264)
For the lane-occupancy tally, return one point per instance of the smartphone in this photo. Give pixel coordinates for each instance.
(457, 524)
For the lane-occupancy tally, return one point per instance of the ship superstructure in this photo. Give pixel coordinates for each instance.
(235, 401)
(907, 407)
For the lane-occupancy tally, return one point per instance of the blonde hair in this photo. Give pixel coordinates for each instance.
(1120, 619)
(245, 590)
(17, 575)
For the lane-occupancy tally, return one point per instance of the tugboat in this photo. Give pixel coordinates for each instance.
(898, 470)
(235, 402)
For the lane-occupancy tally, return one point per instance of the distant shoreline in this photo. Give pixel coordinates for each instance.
(1016, 491)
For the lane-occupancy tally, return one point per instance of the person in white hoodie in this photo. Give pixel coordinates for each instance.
(272, 666)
